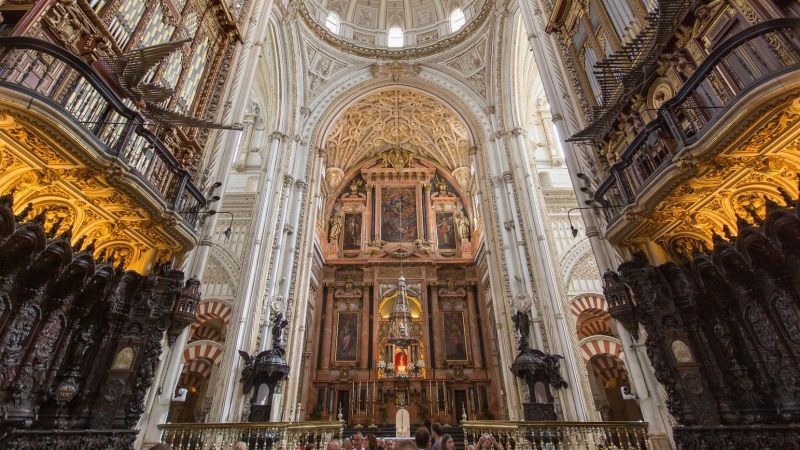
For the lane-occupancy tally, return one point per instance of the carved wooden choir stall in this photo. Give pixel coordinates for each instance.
(80, 338)
(723, 332)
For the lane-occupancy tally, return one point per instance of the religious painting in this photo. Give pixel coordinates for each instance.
(398, 214)
(446, 230)
(352, 231)
(455, 339)
(347, 337)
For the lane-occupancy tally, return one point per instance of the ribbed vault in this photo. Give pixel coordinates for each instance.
(398, 117)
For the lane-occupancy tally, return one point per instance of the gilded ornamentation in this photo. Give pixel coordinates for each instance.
(398, 118)
(397, 157)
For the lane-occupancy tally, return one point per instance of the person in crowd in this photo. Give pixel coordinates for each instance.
(381, 444)
(436, 434)
(422, 438)
(389, 444)
(240, 446)
(488, 442)
(372, 441)
(448, 443)
(358, 441)
(406, 445)
(347, 444)
(334, 445)
(311, 446)
(471, 447)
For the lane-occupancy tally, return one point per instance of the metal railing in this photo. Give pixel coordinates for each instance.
(255, 436)
(560, 435)
(56, 76)
(746, 60)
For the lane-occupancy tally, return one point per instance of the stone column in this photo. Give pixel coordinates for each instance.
(431, 225)
(433, 334)
(330, 315)
(567, 120)
(365, 337)
(473, 326)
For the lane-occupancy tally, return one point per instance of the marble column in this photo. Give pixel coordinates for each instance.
(473, 326)
(363, 350)
(328, 335)
(434, 334)
(567, 120)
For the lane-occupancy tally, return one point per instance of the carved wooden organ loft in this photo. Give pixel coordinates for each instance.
(80, 337)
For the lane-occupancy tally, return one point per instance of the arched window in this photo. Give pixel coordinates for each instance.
(395, 37)
(333, 23)
(457, 20)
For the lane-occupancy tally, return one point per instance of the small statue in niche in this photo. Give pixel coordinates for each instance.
(451, 284)
(335, 229)
(348, 285)
(441, 185)
(462, 224)
(355, 184)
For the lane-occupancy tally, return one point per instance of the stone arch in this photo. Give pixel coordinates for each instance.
(199, 366)
(212, 309)
(208, 350)
(606, 367)
(587, 301)
(599, 345)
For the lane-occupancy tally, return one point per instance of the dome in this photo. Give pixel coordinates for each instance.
(393, 29)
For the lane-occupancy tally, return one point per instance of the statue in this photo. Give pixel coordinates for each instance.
(279, 323)
(462, 224)
(423, 246)
(354, 185)
(523, 326)
(441, 185)
(348, 285)
(335, 230)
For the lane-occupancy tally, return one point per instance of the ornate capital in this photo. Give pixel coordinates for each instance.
(288, 180)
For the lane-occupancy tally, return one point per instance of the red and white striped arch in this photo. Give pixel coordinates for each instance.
(587, 302)
(594, 326)
(198, 366)
(206, 332)
(191, 379)
(607, 367)
(599, 345)
(210, 351)
(211, 310)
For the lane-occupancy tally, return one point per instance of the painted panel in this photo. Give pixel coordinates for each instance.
(455, 336)
(445, 230)
(398, 214)
(347, 337)
(352, 231)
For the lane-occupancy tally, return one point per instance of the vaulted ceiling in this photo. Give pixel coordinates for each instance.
(398, 118)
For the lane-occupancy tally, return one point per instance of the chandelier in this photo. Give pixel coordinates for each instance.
(400, 317)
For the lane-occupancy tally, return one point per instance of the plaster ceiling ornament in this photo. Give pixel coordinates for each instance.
(398, 118)
(395, 70)
(333, 176)
(463, 175)
(364, 25)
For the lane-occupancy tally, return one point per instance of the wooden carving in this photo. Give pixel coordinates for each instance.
(722, 330)
(80, 338)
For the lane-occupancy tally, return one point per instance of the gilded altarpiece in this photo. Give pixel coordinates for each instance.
(383, 222)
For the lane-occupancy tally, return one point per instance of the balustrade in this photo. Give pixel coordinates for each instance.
(561, 435)
(60, 78)
(257, 436)
(747, 60)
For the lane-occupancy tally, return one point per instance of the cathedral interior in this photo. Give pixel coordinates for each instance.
(247, 224)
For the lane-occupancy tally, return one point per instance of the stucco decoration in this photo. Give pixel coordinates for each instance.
(398, 117)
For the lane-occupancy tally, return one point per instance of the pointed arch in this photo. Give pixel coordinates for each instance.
(588, 301)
